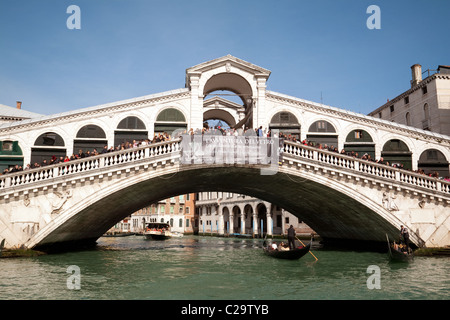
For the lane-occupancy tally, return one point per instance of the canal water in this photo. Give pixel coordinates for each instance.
(210, 268)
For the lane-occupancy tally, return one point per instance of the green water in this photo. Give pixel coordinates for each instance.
(194, 268)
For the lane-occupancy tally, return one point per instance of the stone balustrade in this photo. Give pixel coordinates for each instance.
(368, 168)
(296, 150)
(87, 164)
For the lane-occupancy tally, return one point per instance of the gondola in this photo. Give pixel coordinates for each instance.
(294, 254)
(396, 254)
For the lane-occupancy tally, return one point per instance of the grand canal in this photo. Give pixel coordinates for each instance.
(209, 268)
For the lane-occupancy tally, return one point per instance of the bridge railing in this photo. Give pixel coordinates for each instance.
(88, 164)
(164, 148)
(365, 166)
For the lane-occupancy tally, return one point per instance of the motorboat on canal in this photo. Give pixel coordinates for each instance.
(160, 231)
(293, 254)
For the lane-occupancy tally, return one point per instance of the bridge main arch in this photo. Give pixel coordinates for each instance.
(331, 209)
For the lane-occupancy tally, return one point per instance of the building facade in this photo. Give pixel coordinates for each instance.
(177, 211)
(426, 105)
(226, 213)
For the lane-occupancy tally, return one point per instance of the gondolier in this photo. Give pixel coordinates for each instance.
(405, 236)
(291, 237)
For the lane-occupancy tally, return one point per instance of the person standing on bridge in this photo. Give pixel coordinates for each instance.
(291, 237)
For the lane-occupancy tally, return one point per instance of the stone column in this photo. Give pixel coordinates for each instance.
(231, 222)
(221, 222)
(269, 226)
(259, 106)
(242, 222)
(196, 114)
(255, 223)
(283, 219)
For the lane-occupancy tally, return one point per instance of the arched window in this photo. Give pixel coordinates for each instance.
(426, 111)
(286, 123)
(47, 146)
(322, 132)
(129, 129)
(170, 115)
(397, 153)
(90, 137)
(408, 119)
(49, 139)
(91, 131)
(426, 122)
(133, 123)
(10, 154)
(360, 142)
(433, 160)
(169, 120)
(322, 126)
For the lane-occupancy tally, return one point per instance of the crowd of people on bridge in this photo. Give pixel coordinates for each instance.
(87, 153)
(259, 132)
(365, 156)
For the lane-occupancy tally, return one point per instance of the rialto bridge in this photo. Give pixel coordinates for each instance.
(339, 196)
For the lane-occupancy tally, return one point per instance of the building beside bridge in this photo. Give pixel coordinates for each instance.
(224, 213)
(426, 105)
(178, 212)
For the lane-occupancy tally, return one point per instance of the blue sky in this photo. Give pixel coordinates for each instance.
(131, 48)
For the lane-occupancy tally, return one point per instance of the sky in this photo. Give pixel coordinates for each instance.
(322, 51)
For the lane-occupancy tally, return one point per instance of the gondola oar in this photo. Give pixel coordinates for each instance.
(309, 250)
(389, 244)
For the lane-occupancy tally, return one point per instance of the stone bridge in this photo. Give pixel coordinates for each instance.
(340, 197)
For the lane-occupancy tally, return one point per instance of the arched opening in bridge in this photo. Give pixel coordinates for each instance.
(233, 87)
(47, 146)
(129, 129)
(397, 153)
(10, 154)
(169, 120)
(287, 123)
(218, 118)
(433, 161)
(323, 132)
(220, 111)
(90, 137)
(360, 142)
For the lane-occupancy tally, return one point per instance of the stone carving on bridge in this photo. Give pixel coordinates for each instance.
(228, 67)
(26, 200)
(422, 204)
(388, 202)
(62, 198)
